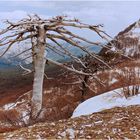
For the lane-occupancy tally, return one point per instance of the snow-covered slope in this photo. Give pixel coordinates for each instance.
(104, 101)
(11, 56)
(127, 41)
(130, 40)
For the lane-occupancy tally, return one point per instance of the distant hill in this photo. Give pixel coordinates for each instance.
(4, 63)
(8, 61)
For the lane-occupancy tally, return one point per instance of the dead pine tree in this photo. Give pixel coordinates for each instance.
(48, 34)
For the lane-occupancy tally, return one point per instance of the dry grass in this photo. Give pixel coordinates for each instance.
(116, 123)
(123, 74)
(9, 120)
(60, 100)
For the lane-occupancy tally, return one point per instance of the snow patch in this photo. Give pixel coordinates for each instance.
(113, 81)
(69, 131)
(9, 106)
(12, 105)
(104, 101)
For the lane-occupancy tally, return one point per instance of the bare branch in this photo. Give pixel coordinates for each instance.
(68, 53)
(66, 67)
(9, 46)
(21, 53)
(18, 39)
(13, 35)
(6, 30)
(89, 87)
(49, 78)
(55, 50)
(27, 71)
(72, 42)
(76, 36)
(26, 58)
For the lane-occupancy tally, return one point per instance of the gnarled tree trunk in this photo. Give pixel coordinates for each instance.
(39, 66)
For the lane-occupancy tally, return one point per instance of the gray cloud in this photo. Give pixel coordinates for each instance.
(114, 15)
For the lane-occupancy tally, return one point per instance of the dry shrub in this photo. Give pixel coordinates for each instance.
(126, 74)
(8, 129)
(11, 116)
(9, 120)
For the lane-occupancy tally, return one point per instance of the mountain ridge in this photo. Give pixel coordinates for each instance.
(126, 41)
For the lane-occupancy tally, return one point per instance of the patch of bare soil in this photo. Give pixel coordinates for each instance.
(116, 123)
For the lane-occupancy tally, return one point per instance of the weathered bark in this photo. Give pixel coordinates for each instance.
(39, 66)
(34, 45)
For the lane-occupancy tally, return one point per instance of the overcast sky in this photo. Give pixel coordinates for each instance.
(114, 15)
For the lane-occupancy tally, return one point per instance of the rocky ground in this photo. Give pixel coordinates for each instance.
(116, 123)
